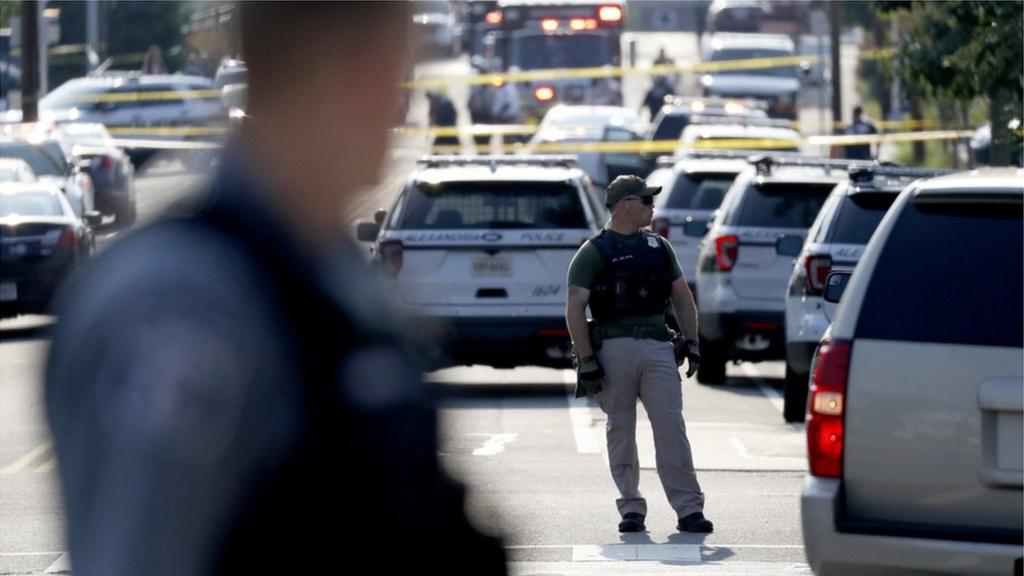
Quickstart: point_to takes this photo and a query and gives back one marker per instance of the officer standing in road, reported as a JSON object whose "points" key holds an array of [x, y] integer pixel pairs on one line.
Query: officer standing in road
{"points": [[227, 392], [627, 276], [655, 97], [860, 127]]}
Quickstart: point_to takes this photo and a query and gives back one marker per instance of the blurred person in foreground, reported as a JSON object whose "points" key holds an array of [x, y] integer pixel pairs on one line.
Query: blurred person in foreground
{"points": [[226, 392]]}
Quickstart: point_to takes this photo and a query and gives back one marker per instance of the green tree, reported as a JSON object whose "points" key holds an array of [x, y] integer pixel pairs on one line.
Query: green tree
{"points": [[966, 49]]}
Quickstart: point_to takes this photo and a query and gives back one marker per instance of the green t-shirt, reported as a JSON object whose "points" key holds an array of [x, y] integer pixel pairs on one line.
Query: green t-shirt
{"points": [[588, 263]]}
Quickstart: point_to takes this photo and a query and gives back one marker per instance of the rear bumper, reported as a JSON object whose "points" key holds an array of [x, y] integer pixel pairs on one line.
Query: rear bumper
{"points": [[831, 551], [500, 342], [752, 335], [35, 288]]}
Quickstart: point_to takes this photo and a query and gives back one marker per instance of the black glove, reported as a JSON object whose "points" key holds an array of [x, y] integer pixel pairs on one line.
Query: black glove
{"points": [[687, 350], [589, 376]]}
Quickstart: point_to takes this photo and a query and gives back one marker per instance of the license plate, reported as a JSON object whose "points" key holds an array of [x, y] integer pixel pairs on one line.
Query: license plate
{"points": [[8, 291], [492, 267]]}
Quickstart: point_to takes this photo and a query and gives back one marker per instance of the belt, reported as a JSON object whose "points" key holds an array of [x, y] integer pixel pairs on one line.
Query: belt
{"points": [[639, 332]]}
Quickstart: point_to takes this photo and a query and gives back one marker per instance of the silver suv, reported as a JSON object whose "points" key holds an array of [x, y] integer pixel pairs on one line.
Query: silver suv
{"points": [[914, 427], [834, 242], [477, 249], [741, 276]]}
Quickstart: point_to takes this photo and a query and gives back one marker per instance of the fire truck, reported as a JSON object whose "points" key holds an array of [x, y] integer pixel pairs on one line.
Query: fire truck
{"points": [[546, 35]]}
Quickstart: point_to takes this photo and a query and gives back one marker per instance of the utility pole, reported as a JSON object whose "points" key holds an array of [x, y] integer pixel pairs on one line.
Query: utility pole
{"points": [[837, 68], [30, 62], [92, 27]]}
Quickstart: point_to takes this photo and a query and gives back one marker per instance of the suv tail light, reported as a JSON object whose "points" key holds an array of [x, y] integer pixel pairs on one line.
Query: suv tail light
{"points": [[544, 93], [67, 238], [817, 267], [661, 227], [727, 249], [493, 17], [391, 257], [826, 408], [106, 163]]}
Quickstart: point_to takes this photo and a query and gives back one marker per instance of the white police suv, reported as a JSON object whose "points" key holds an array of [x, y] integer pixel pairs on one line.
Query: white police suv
{"points": [[741, 276], [915, 438], [478, 248], [693, 187], [834, 242]]}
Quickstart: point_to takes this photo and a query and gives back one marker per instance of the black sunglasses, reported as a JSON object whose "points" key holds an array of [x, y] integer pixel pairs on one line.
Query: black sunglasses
{"points": [[645, 200]]}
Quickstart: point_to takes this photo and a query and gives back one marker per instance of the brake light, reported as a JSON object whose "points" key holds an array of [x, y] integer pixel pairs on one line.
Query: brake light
{"points": [[577, 24], [549, 24], [106, 163], [727, 249], [609, 14], [391, 257], [493, 17], [544, 93], [817, 267], [661, 227], [826, 408]]}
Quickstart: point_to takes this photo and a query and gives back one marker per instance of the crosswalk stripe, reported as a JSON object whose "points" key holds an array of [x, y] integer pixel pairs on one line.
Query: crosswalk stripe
{"points": [[27, 459]]}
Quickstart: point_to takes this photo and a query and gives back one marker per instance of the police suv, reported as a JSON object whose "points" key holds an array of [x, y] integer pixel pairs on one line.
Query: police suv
{"points": [[741, 276], [834, 242], [693, 187], [477, 248]]}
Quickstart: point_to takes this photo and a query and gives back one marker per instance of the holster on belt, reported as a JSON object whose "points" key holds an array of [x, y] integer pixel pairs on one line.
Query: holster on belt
{"points": [[595, 335]]}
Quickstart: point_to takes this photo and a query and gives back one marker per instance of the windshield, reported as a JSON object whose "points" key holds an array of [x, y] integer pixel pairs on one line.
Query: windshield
{"points": [[858, 217], [699, 191], [42, 162], [493, 205], [788, 71], [542, 52], [782, 205], [30, 204]]}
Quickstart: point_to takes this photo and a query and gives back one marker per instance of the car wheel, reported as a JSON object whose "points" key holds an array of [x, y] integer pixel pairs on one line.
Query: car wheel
{"points": [[125, 215], [794, 395], [712, 363]]}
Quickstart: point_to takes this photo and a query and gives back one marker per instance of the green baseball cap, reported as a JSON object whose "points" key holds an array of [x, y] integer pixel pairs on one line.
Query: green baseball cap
{"points": [[626, 186]]}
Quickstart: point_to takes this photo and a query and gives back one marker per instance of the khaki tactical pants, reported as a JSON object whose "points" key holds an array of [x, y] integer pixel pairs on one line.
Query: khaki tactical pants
{"points": [[646, 369]]}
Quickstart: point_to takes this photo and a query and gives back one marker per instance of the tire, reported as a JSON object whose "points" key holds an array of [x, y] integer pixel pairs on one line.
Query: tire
{"points": [[794, 395], [712, 363]]}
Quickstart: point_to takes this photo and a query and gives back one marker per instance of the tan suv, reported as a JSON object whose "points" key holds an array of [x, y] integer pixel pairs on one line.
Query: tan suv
{"points": [[914, 422]]}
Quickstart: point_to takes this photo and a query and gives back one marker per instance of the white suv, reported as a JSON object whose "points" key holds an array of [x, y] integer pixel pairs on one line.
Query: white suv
{"points": [[914, 427], [478, 248], [741, 277], [692, 189], [834, 242]]}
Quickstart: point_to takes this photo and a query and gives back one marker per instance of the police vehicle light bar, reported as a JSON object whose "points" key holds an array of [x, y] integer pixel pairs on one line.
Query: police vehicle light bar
{"points": [[765, 163], [741, 121], [861, 174], [496, 160], [695, 102], [719, 154], [609, 13]]}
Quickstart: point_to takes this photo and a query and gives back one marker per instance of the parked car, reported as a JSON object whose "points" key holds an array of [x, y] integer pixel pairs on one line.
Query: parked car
{"points": [[16, 170], [42, 241], [779, 85], [49, 156], [748, 134], [834, 242], [476, 248], [109, 167], [741, 277], [914, 422]]}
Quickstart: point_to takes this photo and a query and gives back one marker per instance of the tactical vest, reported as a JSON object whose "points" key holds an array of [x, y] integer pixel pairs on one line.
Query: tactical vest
{"points": [[357, 471], [636, 279]]}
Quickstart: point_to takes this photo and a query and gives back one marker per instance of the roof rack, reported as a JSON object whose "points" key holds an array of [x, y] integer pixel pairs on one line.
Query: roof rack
{"points": [[766, 162], [697, 154], [437, 161], [717, 101], [741, 121], [864, 175]]}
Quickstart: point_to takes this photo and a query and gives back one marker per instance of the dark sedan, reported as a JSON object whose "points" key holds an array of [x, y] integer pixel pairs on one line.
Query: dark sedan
{"points": [[42, 242], [110, 168]]}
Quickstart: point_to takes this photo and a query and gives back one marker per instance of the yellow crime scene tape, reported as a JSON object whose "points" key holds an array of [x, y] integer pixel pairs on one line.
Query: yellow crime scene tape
{"points": [[618, 71], [147, 96], [184, 131]]}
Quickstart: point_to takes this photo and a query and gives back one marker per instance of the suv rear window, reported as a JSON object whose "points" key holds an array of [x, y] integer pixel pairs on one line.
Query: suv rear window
{"points": [[703, 191], [670, 126], [491, 205], [782, 204], [949, 273], [858, 217]]}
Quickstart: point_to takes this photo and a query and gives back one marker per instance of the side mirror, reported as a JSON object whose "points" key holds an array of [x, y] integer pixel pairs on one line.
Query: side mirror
{"points": [[380, 215], [93, 219], [85, 163], [367, 231], [696, 228], [789, 245], [835, 285]]}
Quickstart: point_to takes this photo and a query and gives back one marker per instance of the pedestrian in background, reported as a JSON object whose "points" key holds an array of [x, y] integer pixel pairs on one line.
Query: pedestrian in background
{"points": [[627, 276], [226, 390], [859, 127], [655, 97], [153, 61], [442, 115]]}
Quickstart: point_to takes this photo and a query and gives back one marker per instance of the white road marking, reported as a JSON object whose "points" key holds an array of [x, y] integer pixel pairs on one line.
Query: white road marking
{"points": [[62, 564], [27, 459], [588, 440], [738, 445], [771, 393], [47, 466], [495, 443], [637, 552]]}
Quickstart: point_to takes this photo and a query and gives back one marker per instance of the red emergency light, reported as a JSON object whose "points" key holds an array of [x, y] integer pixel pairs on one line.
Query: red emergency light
{"points": [[544, 93], [609, 14], [493, 17], [549, 24], [577, 24]]}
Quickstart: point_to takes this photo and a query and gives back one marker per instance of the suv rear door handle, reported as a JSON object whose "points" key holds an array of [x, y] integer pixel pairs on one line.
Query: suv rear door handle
{"points": [[1002, 432]]}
